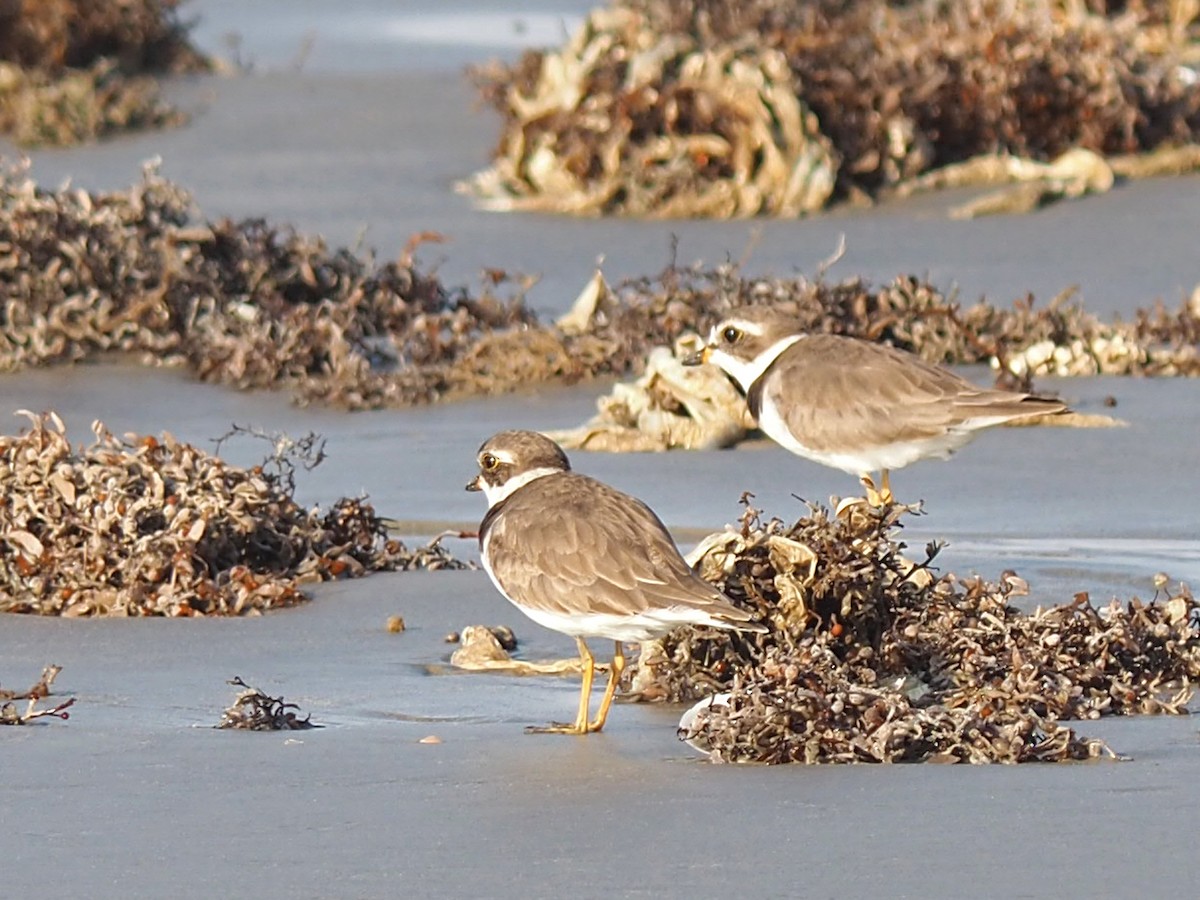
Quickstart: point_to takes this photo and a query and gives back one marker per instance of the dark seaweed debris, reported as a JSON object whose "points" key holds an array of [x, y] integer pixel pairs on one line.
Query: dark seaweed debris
{"points": [[74, 71], [874, 658], [147, 525], [255, 711], [241, 303], [1025, 339], [253, 305]]}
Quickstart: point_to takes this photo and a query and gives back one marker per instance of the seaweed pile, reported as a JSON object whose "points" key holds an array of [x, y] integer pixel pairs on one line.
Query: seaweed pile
{"points": [[253, 710], [146, 525], [672, 108], [669, 406], [254, 305], [240, 303], [872, 657], [73, 70]]}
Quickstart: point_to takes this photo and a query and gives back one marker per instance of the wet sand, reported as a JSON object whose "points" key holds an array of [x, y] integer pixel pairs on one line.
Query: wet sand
{"points": [[137, 796]]}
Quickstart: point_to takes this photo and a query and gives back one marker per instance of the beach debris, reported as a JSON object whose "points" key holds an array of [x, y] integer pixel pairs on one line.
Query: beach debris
{"points": [[872, 656], [672, 406], [479, 649], [506, 637], [1030, 184], [484, 648], [430, 739], [668, 406], [395, 624], [667, 108], [248, 304], [145, 525], [256, 306], [10, 713], [73, 71], [255, 711], [722, 135]]}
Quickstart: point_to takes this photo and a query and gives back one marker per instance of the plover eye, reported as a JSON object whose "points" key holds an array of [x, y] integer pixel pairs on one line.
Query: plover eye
{"points": [[488, 462], [731, 335]]}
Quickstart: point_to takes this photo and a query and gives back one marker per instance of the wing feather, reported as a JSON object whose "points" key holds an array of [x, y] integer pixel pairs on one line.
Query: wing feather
{"points": [[565, 540], [840, 392]]}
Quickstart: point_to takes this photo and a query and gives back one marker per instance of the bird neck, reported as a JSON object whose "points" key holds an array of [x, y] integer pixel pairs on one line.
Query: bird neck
{"points": [[498, 493]]}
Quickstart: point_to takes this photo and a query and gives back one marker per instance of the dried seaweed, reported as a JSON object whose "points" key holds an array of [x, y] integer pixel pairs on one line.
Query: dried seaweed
{"points": [[244, 303], [710, 108], [74, 71], [255, 711], [146, 525], [872, 657], [11, 715], [253, 305], [1060, 338]]}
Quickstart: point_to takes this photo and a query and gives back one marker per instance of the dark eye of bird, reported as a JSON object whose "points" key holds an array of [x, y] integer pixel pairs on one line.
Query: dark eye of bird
{"points": [[489, 462], [731, 335]]}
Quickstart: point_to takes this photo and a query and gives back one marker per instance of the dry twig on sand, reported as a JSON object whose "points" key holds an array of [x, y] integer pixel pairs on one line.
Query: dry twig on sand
{"points": [[11, 715]]}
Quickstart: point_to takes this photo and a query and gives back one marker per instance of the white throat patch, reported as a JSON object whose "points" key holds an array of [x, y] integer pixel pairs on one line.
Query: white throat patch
{"points": [[747, 371], [497, 492]]}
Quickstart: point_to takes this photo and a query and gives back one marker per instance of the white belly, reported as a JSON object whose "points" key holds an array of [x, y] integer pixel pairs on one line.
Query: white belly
{"points": [[862, 460]]}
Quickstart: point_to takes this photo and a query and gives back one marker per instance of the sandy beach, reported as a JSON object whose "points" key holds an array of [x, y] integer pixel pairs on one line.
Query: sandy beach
{"points": [[138, 796]]}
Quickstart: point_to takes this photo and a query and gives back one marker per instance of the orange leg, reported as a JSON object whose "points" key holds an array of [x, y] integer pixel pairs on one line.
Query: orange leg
{"points": [[580, 725], [610, 689]]}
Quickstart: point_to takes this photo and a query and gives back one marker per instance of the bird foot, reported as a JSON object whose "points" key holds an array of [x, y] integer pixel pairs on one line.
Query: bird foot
{"points": [[563, 728]]}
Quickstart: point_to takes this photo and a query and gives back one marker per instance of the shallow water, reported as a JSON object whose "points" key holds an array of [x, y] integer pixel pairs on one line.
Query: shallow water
{"points": [[136, 796]]}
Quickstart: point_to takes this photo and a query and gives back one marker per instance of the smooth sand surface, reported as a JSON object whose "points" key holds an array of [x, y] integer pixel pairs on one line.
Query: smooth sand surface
{"points": [[137, 796]]}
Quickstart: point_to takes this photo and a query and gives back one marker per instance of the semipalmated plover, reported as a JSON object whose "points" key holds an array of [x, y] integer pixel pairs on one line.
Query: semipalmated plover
{"points": [[852, 404], [580, 557]]}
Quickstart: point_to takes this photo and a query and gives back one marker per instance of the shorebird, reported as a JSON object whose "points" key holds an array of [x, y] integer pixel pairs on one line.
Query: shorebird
{"points": [[585, 559], [852, 404]]}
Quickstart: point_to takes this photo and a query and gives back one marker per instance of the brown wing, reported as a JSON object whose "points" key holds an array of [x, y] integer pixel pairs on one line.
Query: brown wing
{"points": [[842, 392], [564, 540]]}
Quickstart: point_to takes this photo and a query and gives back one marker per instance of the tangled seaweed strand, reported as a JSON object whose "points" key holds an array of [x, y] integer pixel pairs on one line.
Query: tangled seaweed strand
{"points": [[73, 71], [255, 711], [712, 108], [147, 526], [871, 658]]}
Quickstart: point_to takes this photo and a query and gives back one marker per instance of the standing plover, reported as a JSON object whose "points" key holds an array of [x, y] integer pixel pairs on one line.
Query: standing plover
{"points": [[851, 404], [580, 557]]}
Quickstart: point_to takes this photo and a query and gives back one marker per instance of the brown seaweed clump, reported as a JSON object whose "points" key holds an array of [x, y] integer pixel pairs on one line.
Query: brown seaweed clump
{"points": [[680, 108], [615, 332], [10, 714], [245, 303], [74, 71], [254, 305], [145, 526], [872, 657], [255, 711]]}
